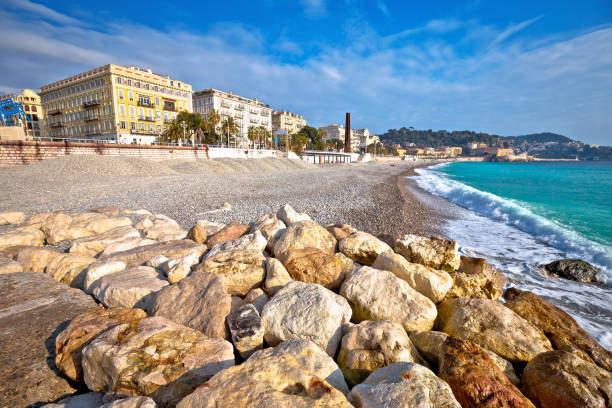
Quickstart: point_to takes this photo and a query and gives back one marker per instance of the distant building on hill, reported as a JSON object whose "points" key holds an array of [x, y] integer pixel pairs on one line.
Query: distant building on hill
{"points": [[283, 120], [245, 112], [114, 103], [30, 102]]}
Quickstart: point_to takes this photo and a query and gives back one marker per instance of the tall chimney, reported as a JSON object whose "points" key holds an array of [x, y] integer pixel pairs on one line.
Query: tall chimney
{"points": [[347, 133]]}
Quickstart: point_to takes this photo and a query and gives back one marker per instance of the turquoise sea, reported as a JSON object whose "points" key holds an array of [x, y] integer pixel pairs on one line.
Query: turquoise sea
{"points": [[521, 215]]}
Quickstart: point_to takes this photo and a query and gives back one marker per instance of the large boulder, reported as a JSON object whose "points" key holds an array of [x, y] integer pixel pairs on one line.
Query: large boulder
{"points": [[231, 231], [434, 252], [492, 326], [7, 265], [475, 379], [266, 380], [258, 298], [403, 384], [560, 328], [246, 329], [427, 281], [161, 228], [573, 269], [14, 217], [97, 270], [172, 250], [340, 231], [94, 245], [476, 278], [82, 330], [306, 311], [87, 400], [561, 379], [311, 265], [69, 269], [369, 345], [198, 234], [35, 259], [254, 241], [380, 295], [34, 308], [131, 402], [363, 247], [430, 345], [210, 227], [199, 301], [156, 357], [23, 237], [59, 227], [125, 245], [270, 227], [243, 269], [276, 276], [131, 288], [302, 235], [289, 216], [313, 358]]}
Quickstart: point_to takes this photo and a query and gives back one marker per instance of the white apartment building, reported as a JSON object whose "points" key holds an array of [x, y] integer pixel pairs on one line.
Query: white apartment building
{"points": [[246, 112], [360, 138]]}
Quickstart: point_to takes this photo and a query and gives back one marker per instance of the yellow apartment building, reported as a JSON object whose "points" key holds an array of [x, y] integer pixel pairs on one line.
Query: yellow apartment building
{"points": [[283, 120], [30, 102], [113, 103]]}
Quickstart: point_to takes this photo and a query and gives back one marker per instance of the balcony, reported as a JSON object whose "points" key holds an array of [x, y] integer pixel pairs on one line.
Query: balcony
{"points": [[167, 121], [90, 104], [143, 132], [57, 124], [226, 105], [254, 121], [55, 112], [238, 115], [146, 118], [171, 108], [143, 102], [239, 107], [91, 118]]}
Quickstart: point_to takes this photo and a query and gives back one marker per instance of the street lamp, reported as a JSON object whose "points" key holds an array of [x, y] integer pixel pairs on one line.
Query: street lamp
{"points": [[184, 126]]}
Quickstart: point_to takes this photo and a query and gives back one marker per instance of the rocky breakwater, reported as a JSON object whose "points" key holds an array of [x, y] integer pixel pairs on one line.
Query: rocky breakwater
{"points": [[124, 308]]}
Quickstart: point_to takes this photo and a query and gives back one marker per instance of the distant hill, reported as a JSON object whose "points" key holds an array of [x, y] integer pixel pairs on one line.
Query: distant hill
{"points": [[538, 138], [438, 138]]}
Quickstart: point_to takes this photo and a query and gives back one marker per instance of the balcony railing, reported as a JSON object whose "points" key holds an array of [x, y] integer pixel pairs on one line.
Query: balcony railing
{"points": [[91, 118], [167, 121], [148, 104], [239, 107], [90, 104], [146, 118], [55, 112], [226, 105], [239, 115], [57, 124], [143, 132], [171, 108]]}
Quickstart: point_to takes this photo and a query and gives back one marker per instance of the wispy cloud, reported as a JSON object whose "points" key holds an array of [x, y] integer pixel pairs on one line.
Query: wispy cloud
{"points": [[313, 8], [505, 83], [383, 8], [41, 11]]}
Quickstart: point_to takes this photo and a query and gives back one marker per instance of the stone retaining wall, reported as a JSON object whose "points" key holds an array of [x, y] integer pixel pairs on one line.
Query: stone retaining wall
{"points": [[14, 153]]}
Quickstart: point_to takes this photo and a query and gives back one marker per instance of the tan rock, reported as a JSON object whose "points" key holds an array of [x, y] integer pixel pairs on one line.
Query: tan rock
{"points": [[246, 329], [348, 263], [99, 269], [266, 380], [131, 288], [254, 241], [434, 252], [7, 265], [90, 399], [198, 301], [24, 237], [427, 281], [149, 358], [492, 326], [475, 379], [276, 276], [561, 379], [270, 227], [476, 278], [171, 250], [258, 298], [110, 210], [289, 216], [210, 227], [363, 247], [198, 234], [59, 227], [82, 330], [243, 269], [312, 265], [131, 402], [95, 244], [306, 311], [12, 218], [138, 212], [37, 219], [302, 235], [370, 345], [69, 269], [231, 231], [380, 295], [55, 227], [430, 345], [403, 384], [340, 231], [560, 328], [161, 228], [126, 245], [35, 259]]}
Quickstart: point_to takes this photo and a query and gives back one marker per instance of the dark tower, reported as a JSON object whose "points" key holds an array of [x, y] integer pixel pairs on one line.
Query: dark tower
{"points": [[347, 133]]}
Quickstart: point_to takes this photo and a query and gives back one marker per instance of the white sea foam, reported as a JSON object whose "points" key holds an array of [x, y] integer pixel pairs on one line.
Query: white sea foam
{"points": [[512, 213]]}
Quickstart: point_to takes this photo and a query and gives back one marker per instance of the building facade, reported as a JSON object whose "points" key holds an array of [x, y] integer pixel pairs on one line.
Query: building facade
{"points": [[245, 112], [30, 102], [360, 138], [283, 120], [114, 103]]}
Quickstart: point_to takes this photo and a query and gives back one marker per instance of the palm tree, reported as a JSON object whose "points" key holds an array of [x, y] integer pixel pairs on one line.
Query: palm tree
{"points": [[229, 127], [173, 132], [213, 121]]}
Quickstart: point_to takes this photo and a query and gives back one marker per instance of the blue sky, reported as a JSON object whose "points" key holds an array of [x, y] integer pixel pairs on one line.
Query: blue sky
{"points": [[507, 68]]}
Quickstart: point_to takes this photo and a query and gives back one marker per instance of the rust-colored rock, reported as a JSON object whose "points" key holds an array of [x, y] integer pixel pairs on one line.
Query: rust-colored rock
{"points": [[82, 330], [475, 379], [476, 278], [312, 265], [340, 231], [560, 328], [198, 234], [231, 231]]}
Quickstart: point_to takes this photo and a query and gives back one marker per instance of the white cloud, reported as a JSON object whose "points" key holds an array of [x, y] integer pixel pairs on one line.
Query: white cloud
{"points": [[313, 8], [42, 11], [418, 77], [383, 8]]}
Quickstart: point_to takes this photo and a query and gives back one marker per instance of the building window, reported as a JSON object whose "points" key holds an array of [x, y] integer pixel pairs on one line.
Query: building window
{"points": [[141, 126], [120, 93], [122, 108], [131, 95], [180, 105], [133, 125], [141, 112], [157, 100], [150, 113], [132, 111], [157, 114], [158, 128], [107, 94], [122, 124]]}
